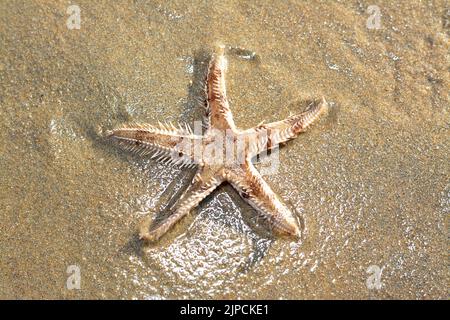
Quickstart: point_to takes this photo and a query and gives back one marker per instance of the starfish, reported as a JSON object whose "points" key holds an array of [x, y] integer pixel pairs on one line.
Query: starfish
{"points": [[211, 151]]}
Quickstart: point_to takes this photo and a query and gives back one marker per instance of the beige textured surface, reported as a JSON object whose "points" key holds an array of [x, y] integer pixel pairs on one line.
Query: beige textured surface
{"points": [[371, 181]]}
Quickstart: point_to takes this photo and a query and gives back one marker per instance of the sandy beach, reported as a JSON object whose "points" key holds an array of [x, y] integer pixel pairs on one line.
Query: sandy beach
{"points": [[370, 180]]}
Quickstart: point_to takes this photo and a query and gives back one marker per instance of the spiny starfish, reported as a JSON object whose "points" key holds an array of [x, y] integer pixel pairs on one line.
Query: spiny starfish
{"points": [[182, 146]]}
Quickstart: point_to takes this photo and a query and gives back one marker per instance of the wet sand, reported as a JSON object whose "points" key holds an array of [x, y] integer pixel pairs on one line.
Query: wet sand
{"points": [[371, 180]]}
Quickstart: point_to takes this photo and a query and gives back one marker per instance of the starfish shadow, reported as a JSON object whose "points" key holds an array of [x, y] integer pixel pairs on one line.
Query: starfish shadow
{"points": [[173, 192], [258, 230]]}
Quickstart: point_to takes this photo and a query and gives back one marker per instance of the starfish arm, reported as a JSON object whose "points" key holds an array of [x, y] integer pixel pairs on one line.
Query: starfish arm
{"points": [[164, 142], [218, 109], [253, 189], [204, 182], [268, 136]]}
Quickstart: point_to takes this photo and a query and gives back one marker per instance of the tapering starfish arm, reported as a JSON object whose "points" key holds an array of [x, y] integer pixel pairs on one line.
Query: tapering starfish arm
{"points": [[164, 142], [218, 109], [267, 136], [253, 189], [205, 181]]}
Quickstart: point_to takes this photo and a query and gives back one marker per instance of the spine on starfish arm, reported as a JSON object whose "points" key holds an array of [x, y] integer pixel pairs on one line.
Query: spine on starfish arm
{"points": [[303, 120], [289, 128], [195, 193], [259, 195], [281, 220], [218, 107], [216, 76], [166, 142], [268, 136]]}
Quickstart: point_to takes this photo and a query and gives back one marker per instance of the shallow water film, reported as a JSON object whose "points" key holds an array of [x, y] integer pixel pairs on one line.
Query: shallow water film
{"points": [[370, 181]]}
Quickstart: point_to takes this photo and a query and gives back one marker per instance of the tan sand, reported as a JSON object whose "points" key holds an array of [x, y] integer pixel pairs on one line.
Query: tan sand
{"points": [[371, 180]]}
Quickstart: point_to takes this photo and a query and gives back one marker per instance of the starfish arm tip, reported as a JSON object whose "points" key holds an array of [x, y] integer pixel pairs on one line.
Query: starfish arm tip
{"points": [[220, 48], [108, 133], [298, 234]]}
